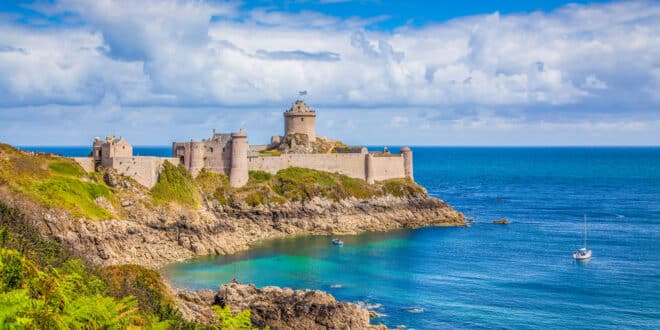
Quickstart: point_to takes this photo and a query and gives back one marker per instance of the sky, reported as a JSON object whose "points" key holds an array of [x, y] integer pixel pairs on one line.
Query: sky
{"points": [[378, 72]]}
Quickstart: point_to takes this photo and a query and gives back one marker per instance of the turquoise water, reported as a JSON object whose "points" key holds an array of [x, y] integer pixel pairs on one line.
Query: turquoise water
{"points": [[490, 276]]}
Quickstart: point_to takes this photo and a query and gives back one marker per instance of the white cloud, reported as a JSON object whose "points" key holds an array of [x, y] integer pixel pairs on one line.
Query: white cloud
{"points": [[206, 54], [591, 82]]}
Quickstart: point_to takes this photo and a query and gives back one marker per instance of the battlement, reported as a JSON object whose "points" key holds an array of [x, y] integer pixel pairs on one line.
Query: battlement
{"points": [[300, 119], [230, 154]]}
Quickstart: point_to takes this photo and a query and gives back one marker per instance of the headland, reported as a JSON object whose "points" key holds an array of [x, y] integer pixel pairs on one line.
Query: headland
{"points": [[217, 196]]}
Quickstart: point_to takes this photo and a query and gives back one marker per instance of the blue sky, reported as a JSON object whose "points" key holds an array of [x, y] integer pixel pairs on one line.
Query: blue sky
{"points": [[377, 72]]}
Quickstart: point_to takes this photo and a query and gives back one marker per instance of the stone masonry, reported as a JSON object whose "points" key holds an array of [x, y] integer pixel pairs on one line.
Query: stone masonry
{"points": [[230, 154]]}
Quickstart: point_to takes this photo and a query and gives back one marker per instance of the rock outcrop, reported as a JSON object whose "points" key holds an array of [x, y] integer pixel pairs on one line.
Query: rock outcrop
{"points": [[153, 237], [279, 308]]}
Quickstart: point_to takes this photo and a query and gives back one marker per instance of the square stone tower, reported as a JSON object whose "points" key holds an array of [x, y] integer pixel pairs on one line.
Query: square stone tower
{"points": [[300, 119]]}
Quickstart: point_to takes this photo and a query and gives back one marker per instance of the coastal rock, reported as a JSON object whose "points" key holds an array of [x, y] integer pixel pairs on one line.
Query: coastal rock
{"points": [[155, 236], [501, 221], [280, 308]]}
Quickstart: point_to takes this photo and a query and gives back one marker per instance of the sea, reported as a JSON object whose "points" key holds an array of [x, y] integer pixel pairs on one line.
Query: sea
{"points": [[485, 276]]}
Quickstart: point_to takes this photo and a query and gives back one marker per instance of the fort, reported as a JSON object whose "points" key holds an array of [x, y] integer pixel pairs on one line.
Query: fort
{"points": [[231, 154]]}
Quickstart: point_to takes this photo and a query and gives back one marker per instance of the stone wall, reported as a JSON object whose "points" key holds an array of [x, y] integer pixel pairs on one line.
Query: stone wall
{"points": [[348, 164], [142, 169], [300, 123], [352, 165], [87, 163], [383, 167]]}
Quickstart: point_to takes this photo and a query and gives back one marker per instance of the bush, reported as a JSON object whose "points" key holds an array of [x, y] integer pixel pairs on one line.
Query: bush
{"points": [[260, 177], [144, 284], [11, 270], [175, 185]]}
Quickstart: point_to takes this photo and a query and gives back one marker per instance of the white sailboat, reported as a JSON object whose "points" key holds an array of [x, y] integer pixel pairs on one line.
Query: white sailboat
{"points": [[583, 253]]}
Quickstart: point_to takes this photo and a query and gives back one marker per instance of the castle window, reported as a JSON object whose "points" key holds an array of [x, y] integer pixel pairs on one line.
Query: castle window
{"points": [[223, 149], [211, 149], [302, 119]]}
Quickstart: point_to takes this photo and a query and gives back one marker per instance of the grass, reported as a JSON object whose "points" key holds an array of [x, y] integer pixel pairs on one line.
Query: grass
{"points": [[74, 195], [270, 152], [55, 182], [175, 185], [66, 168], [298, 184], [61, 183]]}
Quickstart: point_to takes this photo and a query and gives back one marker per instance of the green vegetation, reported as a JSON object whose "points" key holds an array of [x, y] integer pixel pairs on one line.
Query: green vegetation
{"points": [[66, 168], [42, 288], [260, 177], [55, 182], [74, 195], [299, 184], [240, 321], [270, 152], [176, 185], [67, 297]]}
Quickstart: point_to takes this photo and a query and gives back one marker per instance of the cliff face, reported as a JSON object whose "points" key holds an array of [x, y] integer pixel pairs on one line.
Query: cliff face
{"points": [[277, 308], [155, 237], [107, 219]]}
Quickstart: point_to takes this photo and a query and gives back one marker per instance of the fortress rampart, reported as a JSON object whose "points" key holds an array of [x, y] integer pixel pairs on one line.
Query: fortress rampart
{"points": [[366, 166], [142, 169], [232, 155]]}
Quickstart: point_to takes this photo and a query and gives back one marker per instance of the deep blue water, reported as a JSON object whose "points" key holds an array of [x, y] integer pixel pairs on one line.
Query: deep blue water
{"points": [[490, 276], [84, 151]]}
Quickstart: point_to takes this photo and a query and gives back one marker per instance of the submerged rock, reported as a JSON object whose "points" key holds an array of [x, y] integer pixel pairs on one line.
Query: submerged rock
{"points": [[501, 222]]}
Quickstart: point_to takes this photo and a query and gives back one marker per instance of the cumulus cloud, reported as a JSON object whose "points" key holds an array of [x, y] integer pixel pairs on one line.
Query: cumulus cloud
{"points": [[534, 67], [591, 82]]}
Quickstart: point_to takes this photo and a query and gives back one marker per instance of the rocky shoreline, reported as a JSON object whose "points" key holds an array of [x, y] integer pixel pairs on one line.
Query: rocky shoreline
{"points": [[276, 307], [154, 237]]}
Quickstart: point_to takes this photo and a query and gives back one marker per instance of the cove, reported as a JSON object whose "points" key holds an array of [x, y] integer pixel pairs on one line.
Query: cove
{"points": [[519, 275]]}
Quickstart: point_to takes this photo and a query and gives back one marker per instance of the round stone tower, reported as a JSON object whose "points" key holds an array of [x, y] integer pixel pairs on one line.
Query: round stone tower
{"points": [[407, 162], [238, 174], [196, 160], [300, 119]]}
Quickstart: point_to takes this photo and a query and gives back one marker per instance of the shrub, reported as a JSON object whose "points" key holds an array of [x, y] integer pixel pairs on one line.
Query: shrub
{"points": [[209, 181], [11, 270], [144, 284], [260, 177], [175, 185]]}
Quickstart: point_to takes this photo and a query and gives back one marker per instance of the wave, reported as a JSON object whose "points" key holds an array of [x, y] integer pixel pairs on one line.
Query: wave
{"points": [[336, 286], [415, 310], [368, 306]]}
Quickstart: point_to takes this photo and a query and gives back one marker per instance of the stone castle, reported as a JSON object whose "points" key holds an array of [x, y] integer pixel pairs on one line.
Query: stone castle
{"points": [[231, 154]]}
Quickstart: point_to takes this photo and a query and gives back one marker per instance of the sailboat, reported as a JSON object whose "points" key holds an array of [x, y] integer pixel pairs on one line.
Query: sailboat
{"points": [[583, 253]]}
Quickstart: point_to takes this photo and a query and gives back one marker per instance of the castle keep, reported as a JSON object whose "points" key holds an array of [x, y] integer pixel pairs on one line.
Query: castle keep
{"points": [[230, 154]]}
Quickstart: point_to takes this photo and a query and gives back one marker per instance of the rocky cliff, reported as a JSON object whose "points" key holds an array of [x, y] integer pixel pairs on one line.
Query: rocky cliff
{"points": [[278, 308], [155, 237], [107, 219]]}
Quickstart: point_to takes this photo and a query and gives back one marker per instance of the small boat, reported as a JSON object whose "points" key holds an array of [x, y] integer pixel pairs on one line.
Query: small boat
{"points": [[583, 253], [337, 241]]}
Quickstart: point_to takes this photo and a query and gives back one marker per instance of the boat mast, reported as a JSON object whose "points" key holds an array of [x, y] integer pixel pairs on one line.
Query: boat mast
{"points": [[585, 231]]}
